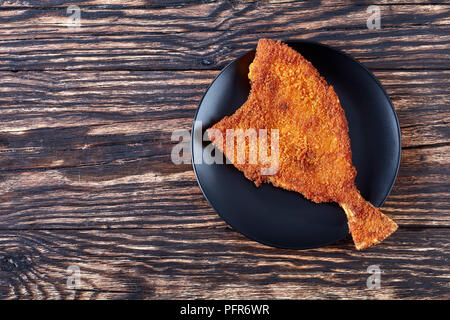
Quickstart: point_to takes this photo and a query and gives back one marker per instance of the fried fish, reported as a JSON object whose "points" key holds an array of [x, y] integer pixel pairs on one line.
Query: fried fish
{"points": [[314, 156]]}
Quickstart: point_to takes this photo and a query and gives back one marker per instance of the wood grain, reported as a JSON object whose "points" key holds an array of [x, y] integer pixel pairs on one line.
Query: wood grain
{"points": [[119, 4], [86, 179], [97, 139], [209, 35], [214, 261], [147, 193], [167, 100]]}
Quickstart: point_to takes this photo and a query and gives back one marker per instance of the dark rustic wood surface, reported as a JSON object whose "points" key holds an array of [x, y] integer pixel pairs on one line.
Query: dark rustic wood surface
{"points": [[85, 173]]}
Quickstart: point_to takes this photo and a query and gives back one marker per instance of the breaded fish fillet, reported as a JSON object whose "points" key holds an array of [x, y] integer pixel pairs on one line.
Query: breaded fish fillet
{"points": [[288, 94]]}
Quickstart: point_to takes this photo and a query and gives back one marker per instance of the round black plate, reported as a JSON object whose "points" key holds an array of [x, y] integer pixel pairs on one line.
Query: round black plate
{"points": [[281, 218]]}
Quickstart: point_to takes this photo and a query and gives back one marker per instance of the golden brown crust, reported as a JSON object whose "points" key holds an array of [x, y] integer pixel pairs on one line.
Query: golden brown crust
{"points": [[288, 94]]}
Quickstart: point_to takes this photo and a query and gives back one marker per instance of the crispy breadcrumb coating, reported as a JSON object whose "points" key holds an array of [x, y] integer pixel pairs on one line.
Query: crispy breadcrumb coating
{"points": [[288, 94]]}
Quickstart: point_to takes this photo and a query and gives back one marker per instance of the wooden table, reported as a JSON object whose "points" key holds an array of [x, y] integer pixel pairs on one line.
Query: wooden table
{"points": [[86, 179]]}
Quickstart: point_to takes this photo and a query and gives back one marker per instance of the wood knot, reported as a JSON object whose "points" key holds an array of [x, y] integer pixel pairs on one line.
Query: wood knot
{"points": [[14, 263]]}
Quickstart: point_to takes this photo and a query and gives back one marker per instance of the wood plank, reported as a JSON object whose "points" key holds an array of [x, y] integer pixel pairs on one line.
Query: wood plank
{"points": [[216, 16], [119, 4], [52, 105], [150, 192], [216, 262], [209, 35], [77, 147]]}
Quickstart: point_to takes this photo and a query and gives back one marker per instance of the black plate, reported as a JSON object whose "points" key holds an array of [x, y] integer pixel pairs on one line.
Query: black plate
{"points": [[281, 218]]}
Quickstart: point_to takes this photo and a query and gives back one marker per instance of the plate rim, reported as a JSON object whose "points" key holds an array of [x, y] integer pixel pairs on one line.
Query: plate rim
{"points": [[338, 51]]}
